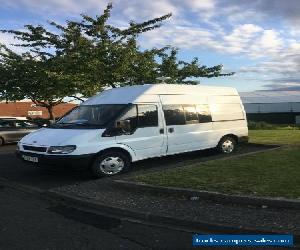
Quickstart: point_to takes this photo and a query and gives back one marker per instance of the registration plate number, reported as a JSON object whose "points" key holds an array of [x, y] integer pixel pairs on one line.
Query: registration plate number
{"points": [[30, 158]]}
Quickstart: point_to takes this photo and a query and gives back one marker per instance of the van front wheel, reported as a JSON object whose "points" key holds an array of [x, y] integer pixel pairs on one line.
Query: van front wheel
{"points": [[110, 163], [227, 145]]}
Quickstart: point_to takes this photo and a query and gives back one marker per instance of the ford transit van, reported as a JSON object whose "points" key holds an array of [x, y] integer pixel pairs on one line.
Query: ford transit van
{"points": [[119, 126]]}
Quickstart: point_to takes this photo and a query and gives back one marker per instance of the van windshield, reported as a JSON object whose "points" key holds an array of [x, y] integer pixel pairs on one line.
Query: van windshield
{"points": [[97, 116]]}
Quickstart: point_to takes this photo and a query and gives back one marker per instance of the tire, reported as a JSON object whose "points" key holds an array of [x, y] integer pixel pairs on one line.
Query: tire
{"points": [[110, 163], [1, 141], [227, 145]]}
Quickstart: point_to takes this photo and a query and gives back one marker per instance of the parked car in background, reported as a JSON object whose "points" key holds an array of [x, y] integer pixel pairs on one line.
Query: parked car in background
{"points": [[12, 129]]}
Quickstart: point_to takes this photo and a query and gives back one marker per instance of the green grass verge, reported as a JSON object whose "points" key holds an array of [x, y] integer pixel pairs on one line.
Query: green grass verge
{"points": [[289, 137], [275, 173], [265, 125]]}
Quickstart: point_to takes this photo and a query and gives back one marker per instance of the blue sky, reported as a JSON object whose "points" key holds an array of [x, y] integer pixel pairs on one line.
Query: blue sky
{"points": [[257, 39]]}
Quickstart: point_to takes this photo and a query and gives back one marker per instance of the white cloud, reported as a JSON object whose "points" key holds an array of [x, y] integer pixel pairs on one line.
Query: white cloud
{"points": [[204, 9], [236, 15], [240, 37], [286, 62], [58, 6], [201, 5], [133, 9], [179, 36], [247, 39], [270, 40], [140, 10], [8, 40], [286, 10], [281, 69]]}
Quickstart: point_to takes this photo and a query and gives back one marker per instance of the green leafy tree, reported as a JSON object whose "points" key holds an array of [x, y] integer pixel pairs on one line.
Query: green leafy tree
{"points": [[95, 54], [84, 57], [178, 71], [24, 76]]}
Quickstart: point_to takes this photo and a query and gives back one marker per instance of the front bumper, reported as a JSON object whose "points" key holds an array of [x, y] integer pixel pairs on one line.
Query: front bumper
{"points": [[74, 161]]}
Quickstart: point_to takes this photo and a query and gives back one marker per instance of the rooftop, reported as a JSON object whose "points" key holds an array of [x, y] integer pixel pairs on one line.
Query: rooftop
{"points": [[270, 96]]}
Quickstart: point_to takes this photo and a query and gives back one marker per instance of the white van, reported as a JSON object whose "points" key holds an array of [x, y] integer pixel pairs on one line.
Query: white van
{"points": [[123, 125]]}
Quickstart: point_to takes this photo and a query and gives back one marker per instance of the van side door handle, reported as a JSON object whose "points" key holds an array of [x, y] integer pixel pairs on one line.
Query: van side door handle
{"points": [[170, 130], [161, 131]]}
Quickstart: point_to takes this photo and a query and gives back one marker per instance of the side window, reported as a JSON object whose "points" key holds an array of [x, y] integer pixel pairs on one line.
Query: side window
{"points": [[191, 115], [30, 124], [6, 124], [20, 124], [186, 114], [203, 113], [147, 116], [131, 116], [174, 114]]}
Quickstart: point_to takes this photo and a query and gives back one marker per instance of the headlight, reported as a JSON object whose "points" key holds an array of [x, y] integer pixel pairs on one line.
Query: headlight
{"points": [[61, 149]]}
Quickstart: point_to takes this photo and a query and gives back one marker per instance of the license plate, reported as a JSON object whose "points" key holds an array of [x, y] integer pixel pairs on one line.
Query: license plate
{"points": [[30, 158]]}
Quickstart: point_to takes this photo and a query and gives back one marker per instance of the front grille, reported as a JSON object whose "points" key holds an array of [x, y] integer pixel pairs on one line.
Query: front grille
{"points": [[36, 149]]}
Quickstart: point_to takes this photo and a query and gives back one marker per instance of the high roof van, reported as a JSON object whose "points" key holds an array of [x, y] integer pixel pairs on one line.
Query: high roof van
{"points": [[123, 125]]}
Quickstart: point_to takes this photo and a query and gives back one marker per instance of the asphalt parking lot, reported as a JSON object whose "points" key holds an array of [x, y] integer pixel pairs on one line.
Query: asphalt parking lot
{"points": [[43, 225], [30, 222]]}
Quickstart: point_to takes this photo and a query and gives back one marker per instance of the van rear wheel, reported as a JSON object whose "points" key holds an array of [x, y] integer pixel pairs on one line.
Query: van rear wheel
{"points": [[227, 145], [110, 163], [1, 141]]}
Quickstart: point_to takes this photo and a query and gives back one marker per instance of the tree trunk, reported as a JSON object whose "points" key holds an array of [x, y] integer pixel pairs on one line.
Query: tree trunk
{"points": [[49, 105], [50, 111]]}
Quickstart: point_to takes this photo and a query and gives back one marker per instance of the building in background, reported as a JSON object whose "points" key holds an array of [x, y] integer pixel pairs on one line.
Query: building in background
{"points": [[277, 107], [29, 109]]}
